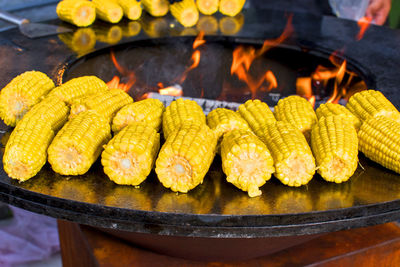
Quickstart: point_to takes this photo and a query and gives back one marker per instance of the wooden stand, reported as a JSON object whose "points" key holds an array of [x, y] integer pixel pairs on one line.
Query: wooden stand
{"points": [[370, 246]]}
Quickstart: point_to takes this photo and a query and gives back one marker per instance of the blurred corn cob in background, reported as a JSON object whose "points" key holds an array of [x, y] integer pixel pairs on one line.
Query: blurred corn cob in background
{"points": [[109, 35], [105, 103], [81, 13], [297, 111], [186, 156], [293, 160], [180, 112], [82, 41], [257, 114], [132, 9], [79, 143], [79, 87], [129, 157], [148, 111], [231, 7], [371, 103], [207, 24], [26, 149], [231, 25], [108, 10], [246, 161], [331, 109], [207, 7], [185, 12], [335, 146], [131, 28], [21, 93], [156, 8]]}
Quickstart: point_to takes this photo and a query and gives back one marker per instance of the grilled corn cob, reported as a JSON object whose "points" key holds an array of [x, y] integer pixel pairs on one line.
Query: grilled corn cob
{"points": [[331, 109], [378, 140], [109, 35], [257, 114], [293, 160], [231, 25], [108, 10], [129, 157], [132, 8], [186, 156], [222, 120], [105, 103], [82, 41], [231, 7], [246, 161], [370, 103], [79, 87], [156, 8], [335, 146], [81, 13], [78, 144], [180, 112], [24, 91], [297, 111], [207, 7], [148, 111], [185, 12]]}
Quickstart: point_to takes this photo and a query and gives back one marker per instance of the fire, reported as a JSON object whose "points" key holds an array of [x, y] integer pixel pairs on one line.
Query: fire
{"points": [[175, 90], [199, 40], [364, 24], [304, 89], [116, 84]]}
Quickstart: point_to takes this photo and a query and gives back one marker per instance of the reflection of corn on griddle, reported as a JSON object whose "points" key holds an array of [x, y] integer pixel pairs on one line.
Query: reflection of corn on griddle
{"points": [[231, 25], [82, 41]]}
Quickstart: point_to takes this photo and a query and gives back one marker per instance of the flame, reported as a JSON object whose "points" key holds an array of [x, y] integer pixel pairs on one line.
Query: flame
{"points": [[364, 24], [115, 82], [304, 89], [199, 40], [171, 90], [196, 56]]}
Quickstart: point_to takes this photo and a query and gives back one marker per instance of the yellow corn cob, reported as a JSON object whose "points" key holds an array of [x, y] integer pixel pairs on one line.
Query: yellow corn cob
{"points": [[129, 157], [78, 87], [293, 159], [297, 111], [82, 41], [78, 144], [156, 8], [108, 10], [105, 103], [231, 25], [207, 24], [24, 91], [222, 120], [180, 112], [81, 13], [148, 111], [370, 103], [131, 28], [231, 7], [109, 35], [335, 146], [246, 161], [257, 114], [185, 157], [207, 7], [331, 109], [185, 12], [132, 8], [378, 140]]}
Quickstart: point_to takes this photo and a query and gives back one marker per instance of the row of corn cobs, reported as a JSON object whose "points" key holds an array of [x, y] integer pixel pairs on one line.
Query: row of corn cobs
{"points": [[253, 142], [83, 13]]}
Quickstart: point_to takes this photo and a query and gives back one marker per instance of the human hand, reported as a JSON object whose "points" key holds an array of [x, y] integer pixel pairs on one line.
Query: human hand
{"points": [[378, 10]]}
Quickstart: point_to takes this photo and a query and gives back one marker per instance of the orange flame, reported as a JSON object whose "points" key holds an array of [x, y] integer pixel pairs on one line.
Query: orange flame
{"points": [[171, 90], [364, 24], [199, 40], [196, 56], [304, 89], [115, 83]]}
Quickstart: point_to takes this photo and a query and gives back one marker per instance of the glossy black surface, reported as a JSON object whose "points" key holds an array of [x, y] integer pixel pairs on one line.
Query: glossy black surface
{"points": [[216, 208]]}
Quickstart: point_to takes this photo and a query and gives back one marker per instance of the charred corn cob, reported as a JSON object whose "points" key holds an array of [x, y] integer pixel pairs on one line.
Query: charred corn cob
{"points": [[207, 24], [257, 114], [105, 103], [231, 7], [148, 111], [293, 160], [297, 111], [378, 140], [156, 8], [185, 12], [186, 156], [81, 13], [78, 144], [207, 7], [109, 35], [108, 10], [78, 87], [82, 41], [24, 91], [231, 25], [371, 103], [222, 120], [331, 109], [246, 161], [180, 112], [335, 146], [129, 157]]}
